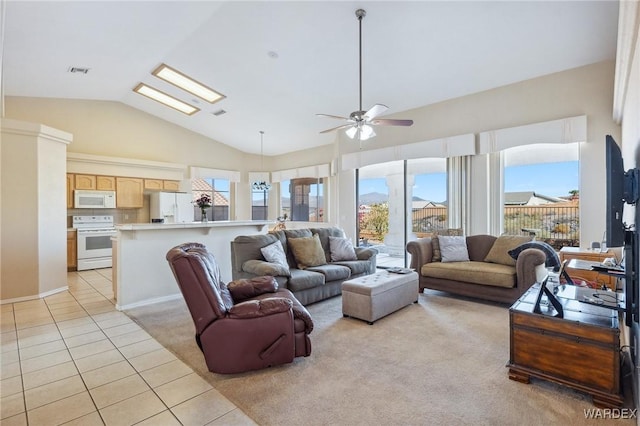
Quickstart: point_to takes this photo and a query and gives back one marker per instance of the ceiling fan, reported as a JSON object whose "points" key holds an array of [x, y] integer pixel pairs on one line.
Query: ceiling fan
{"points": [[359, 123]]}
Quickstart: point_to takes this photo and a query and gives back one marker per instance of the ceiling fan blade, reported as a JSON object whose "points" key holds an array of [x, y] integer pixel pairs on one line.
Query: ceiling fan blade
{"points": [[391, 122], [337, 128], [333, 116], [375, 111]]}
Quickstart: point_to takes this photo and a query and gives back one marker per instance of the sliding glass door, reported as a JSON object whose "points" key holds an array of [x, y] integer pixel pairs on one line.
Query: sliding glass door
{"points": [[399, 201]]}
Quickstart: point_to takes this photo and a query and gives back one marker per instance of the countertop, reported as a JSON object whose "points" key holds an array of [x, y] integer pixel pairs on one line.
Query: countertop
{"points": [[190, 225]]}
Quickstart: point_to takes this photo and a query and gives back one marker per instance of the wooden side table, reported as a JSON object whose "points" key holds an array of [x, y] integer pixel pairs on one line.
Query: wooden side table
{"points": [[586, 275]]}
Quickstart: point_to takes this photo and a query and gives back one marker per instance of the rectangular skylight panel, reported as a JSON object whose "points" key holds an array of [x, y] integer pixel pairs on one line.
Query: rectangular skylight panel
{"points": [[165, 99], [186, 83]]}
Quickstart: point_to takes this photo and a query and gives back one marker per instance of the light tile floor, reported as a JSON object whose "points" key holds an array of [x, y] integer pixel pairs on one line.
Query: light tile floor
{"points": [[72, 359]]}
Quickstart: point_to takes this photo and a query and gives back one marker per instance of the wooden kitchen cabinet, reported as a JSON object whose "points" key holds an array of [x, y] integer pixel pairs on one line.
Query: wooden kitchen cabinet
{"points": [[72, 250], [587, 275], [129, 192], [161, 185], [171, 185], [70, 188], [85, 182], [106, 183], [153, 184]]}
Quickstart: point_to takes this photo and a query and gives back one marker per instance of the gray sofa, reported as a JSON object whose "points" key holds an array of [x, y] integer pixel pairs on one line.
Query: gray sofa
{"points": [[309, 285], [478, 278]]}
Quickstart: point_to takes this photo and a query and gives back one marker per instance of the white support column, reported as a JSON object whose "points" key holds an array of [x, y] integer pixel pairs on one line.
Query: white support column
{"points": [[33, 210], [394, 240]]}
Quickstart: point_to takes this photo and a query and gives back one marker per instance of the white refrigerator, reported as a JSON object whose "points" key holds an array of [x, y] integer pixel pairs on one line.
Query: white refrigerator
{"points": [[171, 207]]}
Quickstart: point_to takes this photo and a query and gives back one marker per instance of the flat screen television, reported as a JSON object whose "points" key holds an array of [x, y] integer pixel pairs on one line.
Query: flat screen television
{"points": [[622, 187], [615, 178]]}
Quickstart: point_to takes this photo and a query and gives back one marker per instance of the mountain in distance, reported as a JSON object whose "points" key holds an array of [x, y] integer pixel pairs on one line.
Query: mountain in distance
{"points": [[313, 202], [365, 199], [378, 198], [373, 198]]}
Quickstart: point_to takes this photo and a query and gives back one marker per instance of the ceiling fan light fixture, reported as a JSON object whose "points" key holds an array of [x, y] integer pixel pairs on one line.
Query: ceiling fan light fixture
{"points": [[163, 98], [186, 83], [359, 123], [366, 132]]}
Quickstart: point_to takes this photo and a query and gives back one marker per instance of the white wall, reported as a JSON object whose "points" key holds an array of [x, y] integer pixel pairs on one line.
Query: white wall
{"points": [[582, 91], [113, 129], [33, 257]]}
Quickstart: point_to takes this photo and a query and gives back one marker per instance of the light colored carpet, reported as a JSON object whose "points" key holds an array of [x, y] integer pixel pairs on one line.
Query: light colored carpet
{"points": [[441, 361]]}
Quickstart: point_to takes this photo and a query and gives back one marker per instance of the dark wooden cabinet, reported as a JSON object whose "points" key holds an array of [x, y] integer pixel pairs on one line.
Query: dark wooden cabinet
{"points": [[72, 247], [580, 350]]}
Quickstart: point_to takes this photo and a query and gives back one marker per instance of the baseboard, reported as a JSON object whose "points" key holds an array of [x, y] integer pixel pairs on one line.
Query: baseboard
{"points": [[35, 296], [149, 302]]}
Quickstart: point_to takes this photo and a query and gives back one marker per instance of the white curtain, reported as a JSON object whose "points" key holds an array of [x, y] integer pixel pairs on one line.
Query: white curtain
{"points": [[318, 171], [206, 173], [453, 146], [566, 130]]}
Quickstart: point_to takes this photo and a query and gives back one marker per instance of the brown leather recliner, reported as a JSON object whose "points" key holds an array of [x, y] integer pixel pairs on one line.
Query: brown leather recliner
{"points": [[246, 325]]}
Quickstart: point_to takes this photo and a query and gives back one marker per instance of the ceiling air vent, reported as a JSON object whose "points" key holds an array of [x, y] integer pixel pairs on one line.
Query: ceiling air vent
{"points": [[219, 112], [78, 70]]}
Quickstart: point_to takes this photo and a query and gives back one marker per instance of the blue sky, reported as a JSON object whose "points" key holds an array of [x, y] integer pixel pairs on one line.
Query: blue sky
{"points": [[553, 179]]}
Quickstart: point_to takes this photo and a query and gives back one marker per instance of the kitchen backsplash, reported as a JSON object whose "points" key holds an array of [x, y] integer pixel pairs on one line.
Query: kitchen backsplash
{"points": [[140, 215]]}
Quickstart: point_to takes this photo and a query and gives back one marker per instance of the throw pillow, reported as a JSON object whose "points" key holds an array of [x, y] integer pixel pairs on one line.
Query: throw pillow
{"points": [[453, 249], [499, 252], [435, 242], [341, 249], [553, 260], [260, 268], [307, 251], [274, 253]]}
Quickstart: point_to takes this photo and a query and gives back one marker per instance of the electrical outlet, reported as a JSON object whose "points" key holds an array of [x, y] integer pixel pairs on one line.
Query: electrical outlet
{"points": [[126, 217]]}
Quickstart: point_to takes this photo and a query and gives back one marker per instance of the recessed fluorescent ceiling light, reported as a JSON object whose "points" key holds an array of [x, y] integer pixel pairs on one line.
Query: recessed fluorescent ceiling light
{"points": [[165, 99], [176, 78]]}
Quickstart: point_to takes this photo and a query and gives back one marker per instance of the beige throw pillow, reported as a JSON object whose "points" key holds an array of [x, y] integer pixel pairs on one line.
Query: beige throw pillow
{"points": [[499, 252], [307, 251], [260, 268]]}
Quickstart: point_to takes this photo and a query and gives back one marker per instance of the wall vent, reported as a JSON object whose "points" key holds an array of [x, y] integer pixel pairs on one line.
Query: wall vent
{"points": [[219, 112], [78, 70]]}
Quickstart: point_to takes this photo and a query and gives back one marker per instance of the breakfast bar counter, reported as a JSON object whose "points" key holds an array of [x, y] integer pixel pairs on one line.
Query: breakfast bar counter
{"points": [[141, 274]]}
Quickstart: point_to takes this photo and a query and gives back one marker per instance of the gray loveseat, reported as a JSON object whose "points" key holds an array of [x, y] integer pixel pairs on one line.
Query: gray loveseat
{"points": [[311, 284]]}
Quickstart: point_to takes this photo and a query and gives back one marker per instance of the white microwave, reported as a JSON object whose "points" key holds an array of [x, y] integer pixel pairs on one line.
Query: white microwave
{"points": [[84, 199]]}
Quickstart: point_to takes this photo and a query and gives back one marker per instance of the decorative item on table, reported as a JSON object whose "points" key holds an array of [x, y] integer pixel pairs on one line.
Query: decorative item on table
{"points": [[281, 225], [204, 202]]}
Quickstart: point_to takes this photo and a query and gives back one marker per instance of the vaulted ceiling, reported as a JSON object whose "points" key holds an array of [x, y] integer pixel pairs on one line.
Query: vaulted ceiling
{"points": [[281, 62]]}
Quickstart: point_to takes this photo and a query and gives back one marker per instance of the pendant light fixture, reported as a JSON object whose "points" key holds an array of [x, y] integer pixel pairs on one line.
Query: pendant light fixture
{"points": [[261, 185]]}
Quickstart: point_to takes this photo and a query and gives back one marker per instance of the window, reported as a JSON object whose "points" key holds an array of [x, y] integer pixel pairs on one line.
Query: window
{"points": [[218, 191], [373, 207], [541, 193], [386, 216], [303, 199], [259, 204], [429, 195]]}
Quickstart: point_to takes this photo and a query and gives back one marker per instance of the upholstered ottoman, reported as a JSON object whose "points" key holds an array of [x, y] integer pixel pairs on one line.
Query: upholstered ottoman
{"points": [[373, 296]]}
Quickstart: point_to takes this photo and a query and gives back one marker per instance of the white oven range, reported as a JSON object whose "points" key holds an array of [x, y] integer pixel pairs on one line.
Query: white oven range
{"points": [[94, 241]]}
